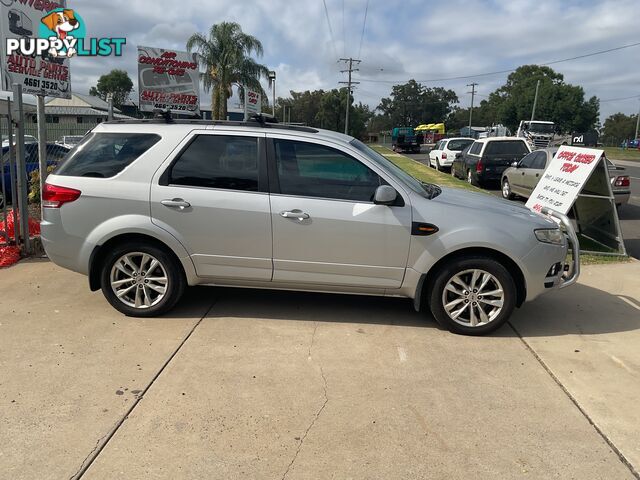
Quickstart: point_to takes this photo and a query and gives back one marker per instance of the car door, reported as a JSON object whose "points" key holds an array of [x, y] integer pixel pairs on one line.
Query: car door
{"points": [[326, 228], [535, 171], [213, 197], [433, 154], [519, 176]]}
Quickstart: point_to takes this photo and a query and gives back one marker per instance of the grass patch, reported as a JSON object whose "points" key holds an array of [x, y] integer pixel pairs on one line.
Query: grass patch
{"points": [[590, 259], [423, 172], [616, 153]]}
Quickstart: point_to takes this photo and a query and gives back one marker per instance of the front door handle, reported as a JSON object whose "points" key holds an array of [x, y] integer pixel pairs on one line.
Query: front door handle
{"points": [[178, 203], [297, 214]]}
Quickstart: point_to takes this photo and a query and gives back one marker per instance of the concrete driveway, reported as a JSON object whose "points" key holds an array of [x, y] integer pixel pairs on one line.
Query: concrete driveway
{"points": [[257, 384]]}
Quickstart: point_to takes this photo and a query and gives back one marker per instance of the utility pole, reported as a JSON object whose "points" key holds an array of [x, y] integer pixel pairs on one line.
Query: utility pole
{"points": [[637, 124], [535, 101], [473, 94], [272, 84], [350, 70]]}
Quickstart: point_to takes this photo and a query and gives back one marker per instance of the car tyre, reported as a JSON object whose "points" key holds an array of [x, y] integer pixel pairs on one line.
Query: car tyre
{"points": [[507, 194], [154, 295], [471, 180], [486, 276]]}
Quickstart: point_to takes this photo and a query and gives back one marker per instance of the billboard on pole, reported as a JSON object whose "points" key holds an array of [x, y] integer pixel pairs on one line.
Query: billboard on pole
{"points": [[252, 103], [168, 79], [38, 74]]}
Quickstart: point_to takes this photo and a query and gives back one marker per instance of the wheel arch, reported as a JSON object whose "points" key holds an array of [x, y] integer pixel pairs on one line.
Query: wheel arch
{"points": [[99, 253], [427, 279]]}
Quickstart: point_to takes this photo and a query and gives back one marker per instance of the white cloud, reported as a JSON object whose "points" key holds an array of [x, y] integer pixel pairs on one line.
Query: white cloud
{"points": [[409, 39]]}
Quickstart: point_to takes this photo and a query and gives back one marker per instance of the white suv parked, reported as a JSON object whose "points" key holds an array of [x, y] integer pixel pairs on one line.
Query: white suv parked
{"points": [[146, 208], [444, 152]]}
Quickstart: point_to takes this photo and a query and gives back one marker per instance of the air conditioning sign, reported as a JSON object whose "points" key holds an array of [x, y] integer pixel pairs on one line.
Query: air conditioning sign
{"points": [[168, 79]]}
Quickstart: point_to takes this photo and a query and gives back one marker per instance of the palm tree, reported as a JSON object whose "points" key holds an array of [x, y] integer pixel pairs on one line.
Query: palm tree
{"points": [[225, 58]]}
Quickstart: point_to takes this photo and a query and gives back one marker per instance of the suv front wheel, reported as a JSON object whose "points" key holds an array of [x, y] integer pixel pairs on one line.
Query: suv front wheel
{"points": [[472, 295], [141, 280]]}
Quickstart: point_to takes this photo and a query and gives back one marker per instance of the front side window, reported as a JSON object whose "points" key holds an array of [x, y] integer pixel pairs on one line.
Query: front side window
{"points": [[475, 148], [218, 161], [103, 155], [528, 161], [540, 161], [310, 170]]}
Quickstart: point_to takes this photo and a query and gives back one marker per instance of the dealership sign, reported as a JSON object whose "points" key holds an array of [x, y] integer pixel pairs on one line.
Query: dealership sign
{"points": [[564, 178], [43, 74], [168, 79]]}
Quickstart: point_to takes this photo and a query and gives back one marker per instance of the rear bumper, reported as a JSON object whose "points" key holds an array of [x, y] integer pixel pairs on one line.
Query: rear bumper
{"points": [[622, 198]]}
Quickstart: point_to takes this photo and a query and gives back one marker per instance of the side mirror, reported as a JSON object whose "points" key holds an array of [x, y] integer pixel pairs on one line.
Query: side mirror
{"points": [[515, 164], [385, 195]]}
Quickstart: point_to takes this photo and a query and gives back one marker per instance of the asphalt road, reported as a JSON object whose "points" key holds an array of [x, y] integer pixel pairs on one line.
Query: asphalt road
{"points": [[629, 214]]}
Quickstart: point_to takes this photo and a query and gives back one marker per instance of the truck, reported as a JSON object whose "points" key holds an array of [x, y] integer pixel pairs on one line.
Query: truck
{"points": [[404, 139], [537, 133]]}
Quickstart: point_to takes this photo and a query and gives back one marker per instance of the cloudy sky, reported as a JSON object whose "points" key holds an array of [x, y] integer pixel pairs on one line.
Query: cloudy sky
{"points": [[405, 39]]}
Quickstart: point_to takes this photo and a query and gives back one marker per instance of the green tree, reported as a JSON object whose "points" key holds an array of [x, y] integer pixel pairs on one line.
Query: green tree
{"points": [[559, 102], [618, 128], [412, 104], [225, 55], [116, 82]]}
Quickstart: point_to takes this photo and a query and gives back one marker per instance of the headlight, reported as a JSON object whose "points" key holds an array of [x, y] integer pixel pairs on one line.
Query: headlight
{"points": [[550, 235]]}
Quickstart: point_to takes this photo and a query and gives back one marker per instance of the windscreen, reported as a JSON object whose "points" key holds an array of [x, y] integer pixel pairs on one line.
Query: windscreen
{"points": [[458, 145]]}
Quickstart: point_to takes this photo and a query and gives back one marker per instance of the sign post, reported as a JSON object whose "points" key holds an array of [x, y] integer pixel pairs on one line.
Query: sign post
{"points": [[577, 180], [252, 103], [168, 80], [42, 144], [21, 170]]}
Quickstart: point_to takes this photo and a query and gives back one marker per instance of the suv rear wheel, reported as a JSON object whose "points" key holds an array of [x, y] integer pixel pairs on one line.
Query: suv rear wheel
{"points": [[472, 295], [141, 280]]}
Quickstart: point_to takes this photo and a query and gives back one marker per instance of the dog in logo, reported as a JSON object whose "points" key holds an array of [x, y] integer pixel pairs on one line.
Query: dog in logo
{"points": [[63, 23]]}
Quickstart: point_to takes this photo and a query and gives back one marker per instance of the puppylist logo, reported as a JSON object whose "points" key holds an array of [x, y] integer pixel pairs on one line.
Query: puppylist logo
{"points": [[62, 34]]}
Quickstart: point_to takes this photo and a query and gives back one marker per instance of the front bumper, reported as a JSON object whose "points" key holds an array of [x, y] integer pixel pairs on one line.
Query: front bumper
{"points": [[570, 271]]}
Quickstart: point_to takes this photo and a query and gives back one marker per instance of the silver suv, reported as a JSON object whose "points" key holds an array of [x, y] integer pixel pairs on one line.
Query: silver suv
{"points": [[146, 208]]}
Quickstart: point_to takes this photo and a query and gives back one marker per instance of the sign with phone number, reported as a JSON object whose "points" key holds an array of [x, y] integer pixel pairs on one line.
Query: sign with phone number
{"points": [[564, 178]]}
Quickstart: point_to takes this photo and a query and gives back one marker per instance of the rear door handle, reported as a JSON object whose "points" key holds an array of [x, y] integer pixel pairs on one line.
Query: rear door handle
{"points": [[297, 214], [178, 203]]}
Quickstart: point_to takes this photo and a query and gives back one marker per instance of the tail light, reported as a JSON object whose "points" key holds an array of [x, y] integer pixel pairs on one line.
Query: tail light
{"points": [[444, 156], [479, 166], [622, 181], [54, 196]]}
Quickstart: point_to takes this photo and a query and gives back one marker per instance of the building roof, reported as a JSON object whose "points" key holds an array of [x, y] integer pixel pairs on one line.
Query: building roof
{"points": [[80, 111], [80, 100]]}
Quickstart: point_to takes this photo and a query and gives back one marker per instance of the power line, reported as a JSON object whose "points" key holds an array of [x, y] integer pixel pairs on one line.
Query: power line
{"points": [[497, 72], [364, 22], [333, 41], [621, 98]]}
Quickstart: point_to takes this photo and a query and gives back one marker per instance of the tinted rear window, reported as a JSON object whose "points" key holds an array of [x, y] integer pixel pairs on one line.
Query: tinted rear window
{"points": [[458, 145], [103, 155], [506, 147]]}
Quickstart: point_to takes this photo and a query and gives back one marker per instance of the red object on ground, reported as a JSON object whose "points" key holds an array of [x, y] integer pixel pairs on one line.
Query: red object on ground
{"points": [[11, 254]]}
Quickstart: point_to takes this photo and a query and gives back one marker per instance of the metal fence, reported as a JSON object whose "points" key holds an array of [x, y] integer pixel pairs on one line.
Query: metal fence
{"points": [[20, 186]]}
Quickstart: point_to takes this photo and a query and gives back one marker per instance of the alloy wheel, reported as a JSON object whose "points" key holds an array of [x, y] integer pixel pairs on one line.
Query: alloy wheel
{"points": [[473, 298], [469, 177], [506, 188], [139, 280]]}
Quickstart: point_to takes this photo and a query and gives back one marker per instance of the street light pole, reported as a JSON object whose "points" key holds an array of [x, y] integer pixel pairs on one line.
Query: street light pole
{"points": [[272, 83], [473, 94], [535, 101]]}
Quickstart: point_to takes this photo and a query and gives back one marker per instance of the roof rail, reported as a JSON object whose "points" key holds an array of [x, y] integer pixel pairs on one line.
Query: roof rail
{"points": [[265, 123]]}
